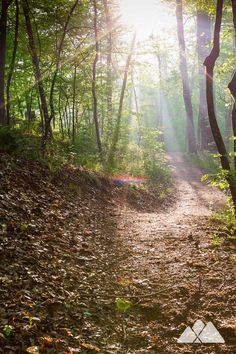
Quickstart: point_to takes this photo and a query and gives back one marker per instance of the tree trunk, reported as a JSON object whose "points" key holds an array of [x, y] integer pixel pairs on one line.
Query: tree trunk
{"points": [[203, 40], [120, 110], [37, 72], [232, 87], [161, 123], [3, 47], [137, 111], [210, 64], [228, 126], [13, 60], [109, 68], [191, 141], [58, 57], [94, 89], [60, 113], [74, 104]]}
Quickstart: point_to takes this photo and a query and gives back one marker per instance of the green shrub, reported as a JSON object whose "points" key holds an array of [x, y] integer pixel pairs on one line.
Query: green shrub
{"points": [[9, 139], [205, 161]]}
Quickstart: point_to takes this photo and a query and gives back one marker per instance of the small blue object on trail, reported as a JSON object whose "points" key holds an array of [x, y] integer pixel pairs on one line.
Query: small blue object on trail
{"points": [[121, 180]]}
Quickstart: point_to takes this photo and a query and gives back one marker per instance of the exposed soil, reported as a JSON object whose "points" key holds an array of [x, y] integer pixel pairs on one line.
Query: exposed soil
{"points": [[70, 245]]}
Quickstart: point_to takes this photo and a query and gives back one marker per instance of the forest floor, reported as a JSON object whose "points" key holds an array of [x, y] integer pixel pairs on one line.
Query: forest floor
{"points": [[72, 244]]}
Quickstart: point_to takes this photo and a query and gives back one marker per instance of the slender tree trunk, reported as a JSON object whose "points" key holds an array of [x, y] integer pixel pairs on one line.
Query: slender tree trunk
{"points": [[13, 60], [3, 47], [74, 104], [210, 64], [60, 113], [161, 123], [232, 87], [94, 81], [58, 57], [109, 68], [120, 110], [137, 111], [203, 40], [37, 72], [160, 90], [228, 126], [191, 141]]}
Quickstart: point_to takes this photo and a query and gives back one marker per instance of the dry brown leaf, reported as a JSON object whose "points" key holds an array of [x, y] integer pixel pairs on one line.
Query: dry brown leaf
{"points": [[90, 346], [33, 350]]}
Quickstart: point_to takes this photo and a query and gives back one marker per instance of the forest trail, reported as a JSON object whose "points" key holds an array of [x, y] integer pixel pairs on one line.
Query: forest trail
{"points": [[170, 256], [70, 247]]}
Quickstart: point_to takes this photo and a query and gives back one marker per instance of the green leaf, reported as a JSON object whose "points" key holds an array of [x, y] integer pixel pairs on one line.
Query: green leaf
{"points": [[204, 178], [7, 330], [123, 304]]}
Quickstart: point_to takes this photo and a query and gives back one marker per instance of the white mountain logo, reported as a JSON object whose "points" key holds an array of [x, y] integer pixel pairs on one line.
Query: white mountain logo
{"points": [[201, 333]]}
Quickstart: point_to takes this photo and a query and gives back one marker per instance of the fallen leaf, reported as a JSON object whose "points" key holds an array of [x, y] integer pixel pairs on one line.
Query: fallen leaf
{"points": [[46, 339], [33, 350], [90, 346]]}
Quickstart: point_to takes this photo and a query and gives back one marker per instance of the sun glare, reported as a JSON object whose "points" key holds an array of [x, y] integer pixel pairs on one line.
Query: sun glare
{"points": [[147, 16]]}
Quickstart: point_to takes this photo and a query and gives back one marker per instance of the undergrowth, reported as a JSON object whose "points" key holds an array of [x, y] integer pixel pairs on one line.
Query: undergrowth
{"points": [[205, 161], [227, 221], [145, 158]]}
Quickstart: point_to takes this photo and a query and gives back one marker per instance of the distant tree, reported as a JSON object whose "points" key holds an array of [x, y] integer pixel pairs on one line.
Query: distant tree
{"points": [[13, 60], [203, 41], [59, 49], [232, 86], [190, 133], [109, 29], [37, 72], [116, 133], [94, 80], [3, 46]]}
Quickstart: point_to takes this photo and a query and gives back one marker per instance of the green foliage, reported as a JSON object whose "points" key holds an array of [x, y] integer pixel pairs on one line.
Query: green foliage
{"points": [[204, 161], [15, 141], [219, 179], [154, 158], [9, 139], [146, 158], [227, 217], [216, 240], [227, 221], [123, 305], [7, 330]]}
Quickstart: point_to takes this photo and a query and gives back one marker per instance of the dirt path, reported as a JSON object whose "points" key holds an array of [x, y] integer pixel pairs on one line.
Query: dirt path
{"points": [[167, 259]]}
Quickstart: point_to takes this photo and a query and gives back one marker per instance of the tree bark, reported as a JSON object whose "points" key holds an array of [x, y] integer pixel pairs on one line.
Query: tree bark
{"points": [[94, 88], [74, 104], [191, 140], [232, 87], [228, 126], [3, 47], [203, 40], [58, 57], [120, 110], [210, 64], [13, 60], [137, 111], [161, 123], [109, 68], [37, 72]]}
